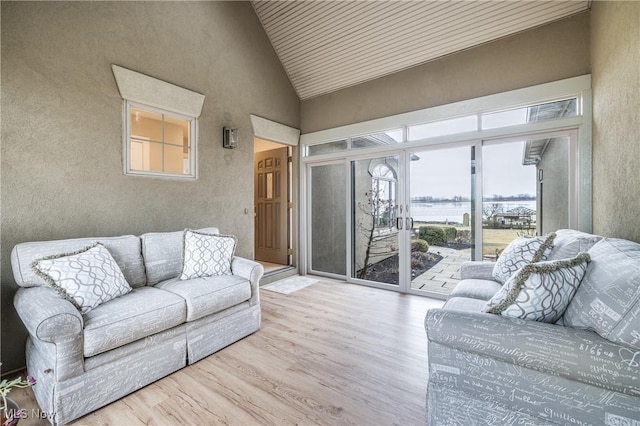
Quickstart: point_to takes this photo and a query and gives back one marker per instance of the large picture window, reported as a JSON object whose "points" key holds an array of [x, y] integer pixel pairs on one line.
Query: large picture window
{"points": [[159, 142], [433, 188]]}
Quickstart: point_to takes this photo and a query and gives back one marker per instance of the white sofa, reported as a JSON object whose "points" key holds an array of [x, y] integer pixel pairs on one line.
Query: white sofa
{"points": [[84, 361]]}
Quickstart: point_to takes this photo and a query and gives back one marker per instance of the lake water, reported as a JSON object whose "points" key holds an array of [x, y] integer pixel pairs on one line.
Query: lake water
{"points": [[453, 212]]}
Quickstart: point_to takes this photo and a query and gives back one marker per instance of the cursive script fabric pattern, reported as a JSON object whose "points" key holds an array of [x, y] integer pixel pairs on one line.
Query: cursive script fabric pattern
{"points": [[608, 301], [207, 255], [540, 291], [542, 372], [86, 278], [521, 252], [500, 370]]}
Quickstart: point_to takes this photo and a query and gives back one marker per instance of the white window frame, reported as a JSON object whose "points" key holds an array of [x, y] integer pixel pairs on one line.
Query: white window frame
{"points": [[579, 126], [193, 142]]}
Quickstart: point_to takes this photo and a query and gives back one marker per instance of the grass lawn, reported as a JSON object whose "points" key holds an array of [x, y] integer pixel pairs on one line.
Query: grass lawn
{"points": [[497, 239], [493, 239]]}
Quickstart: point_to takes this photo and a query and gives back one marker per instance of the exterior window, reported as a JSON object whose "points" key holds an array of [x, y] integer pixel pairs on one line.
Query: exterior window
{"points": [[159, 143], [390, 137], [383, 195], [327, 148], [531, 113], [444, 127]]}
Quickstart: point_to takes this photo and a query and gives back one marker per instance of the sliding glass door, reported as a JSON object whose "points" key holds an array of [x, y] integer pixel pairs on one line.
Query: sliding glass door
{"points": [[442, 215], [376, 221], [327, 218], [406, 220]]}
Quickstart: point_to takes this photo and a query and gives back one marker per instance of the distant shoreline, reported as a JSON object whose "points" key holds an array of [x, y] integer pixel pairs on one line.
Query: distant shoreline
{"points": [[427, 200]]}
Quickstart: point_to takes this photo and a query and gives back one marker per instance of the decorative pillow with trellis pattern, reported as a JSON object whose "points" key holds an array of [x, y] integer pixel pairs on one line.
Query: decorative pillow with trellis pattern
{"points": [[86, 278], [206, 255], [521, 252], [540, 291]]}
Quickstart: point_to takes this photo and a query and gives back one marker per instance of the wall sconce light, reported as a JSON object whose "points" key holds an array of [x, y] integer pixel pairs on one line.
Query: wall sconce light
{"points": [[229, 137]]}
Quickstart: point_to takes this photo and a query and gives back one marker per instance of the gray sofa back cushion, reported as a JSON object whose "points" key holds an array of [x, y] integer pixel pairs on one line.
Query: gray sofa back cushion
{"points": [[608, 300], [162, 252], [125, 250], [569, 242]]}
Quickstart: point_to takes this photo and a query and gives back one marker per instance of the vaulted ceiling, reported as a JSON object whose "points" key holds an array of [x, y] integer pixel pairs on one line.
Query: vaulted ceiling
{"points": [[328, 45]]}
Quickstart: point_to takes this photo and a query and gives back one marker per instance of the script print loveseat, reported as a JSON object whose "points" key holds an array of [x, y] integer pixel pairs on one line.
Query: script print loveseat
{"points": [[583, 369], [83, 361]]}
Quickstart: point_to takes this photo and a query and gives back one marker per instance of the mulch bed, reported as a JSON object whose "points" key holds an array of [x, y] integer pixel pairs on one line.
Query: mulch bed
{"points": [[386, 271]]}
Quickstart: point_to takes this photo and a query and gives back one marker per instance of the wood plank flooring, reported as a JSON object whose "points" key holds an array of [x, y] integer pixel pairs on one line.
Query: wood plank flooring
{"points": [[329, 354]]}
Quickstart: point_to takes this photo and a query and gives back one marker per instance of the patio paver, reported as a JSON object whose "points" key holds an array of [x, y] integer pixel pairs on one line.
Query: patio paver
{"points": [[445, 275]]}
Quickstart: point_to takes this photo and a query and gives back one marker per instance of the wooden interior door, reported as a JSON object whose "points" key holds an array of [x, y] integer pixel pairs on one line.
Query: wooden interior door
{"points": [[271, 205]]}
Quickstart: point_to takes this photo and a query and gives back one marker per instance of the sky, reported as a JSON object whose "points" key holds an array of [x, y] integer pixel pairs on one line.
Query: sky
{"points": [[446, 172]]}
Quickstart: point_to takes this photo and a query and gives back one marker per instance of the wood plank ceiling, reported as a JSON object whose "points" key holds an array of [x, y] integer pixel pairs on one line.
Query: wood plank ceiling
{"points": [[328, 45]]}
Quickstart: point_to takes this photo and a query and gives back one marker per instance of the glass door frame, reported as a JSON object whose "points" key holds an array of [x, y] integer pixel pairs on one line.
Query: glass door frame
{"points": [[401, 218], [475, 193]]}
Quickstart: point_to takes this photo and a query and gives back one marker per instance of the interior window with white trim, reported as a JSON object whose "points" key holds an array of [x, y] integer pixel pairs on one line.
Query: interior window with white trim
{"points": [[159, 142]]}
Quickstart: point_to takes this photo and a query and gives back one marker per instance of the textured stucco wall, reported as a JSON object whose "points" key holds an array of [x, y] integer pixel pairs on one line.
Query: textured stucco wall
{"points": [[62, 123], [552, 52], [615, 56]]}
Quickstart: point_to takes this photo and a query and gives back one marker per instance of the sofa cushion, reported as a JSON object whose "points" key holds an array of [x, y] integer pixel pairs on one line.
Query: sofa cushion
{"points": [[125, 250], [162, 253], [206, 255], [481, 270], [569, 242], [521, 252], [540, 291], [475, 289], [208, 295], [608, 301], [136, 315], [86, 278], [465, 304]]}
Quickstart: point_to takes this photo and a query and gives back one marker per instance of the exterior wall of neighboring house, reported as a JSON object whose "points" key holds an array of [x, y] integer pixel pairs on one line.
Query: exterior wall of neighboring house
{"points": [[615, 53], [552, 192], [62, 167]]}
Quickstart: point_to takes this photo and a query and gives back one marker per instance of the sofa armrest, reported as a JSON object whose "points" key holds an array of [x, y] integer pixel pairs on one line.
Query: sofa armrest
{"points": [[252, 271], [579, 355], [51, 320], [476, 270]]}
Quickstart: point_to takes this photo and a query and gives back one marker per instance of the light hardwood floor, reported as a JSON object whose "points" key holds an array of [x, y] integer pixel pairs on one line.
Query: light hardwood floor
{"points": [[329, 354]]}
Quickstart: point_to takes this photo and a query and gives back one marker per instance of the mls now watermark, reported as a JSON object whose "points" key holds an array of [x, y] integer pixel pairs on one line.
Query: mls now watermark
{"points": [[34, 413]]}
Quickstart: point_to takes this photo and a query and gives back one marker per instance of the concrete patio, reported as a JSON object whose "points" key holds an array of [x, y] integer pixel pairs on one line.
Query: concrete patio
{"points": [[444, 276]]}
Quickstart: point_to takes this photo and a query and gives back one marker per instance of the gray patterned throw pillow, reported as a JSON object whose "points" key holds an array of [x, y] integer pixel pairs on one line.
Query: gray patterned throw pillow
{"points": [[206, 255], [86, 278], [608, 300], [521, 252], [540, 291]]}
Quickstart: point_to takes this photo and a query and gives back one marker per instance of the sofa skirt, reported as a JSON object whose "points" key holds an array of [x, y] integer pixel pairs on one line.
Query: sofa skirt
{"points": [[68, 400], [214, 332]]}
